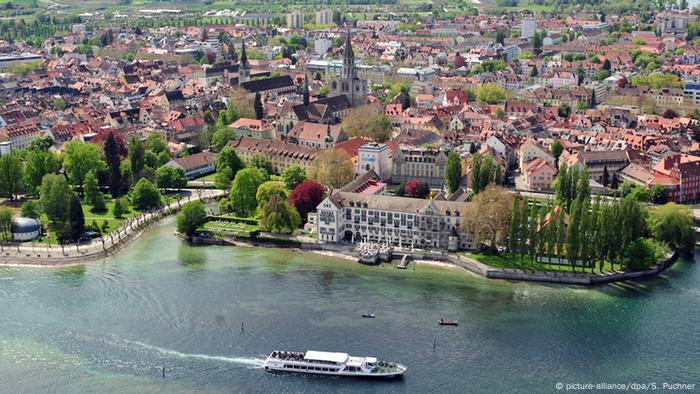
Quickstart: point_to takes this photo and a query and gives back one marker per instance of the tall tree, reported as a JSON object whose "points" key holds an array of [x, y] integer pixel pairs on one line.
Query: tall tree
{"points": [[606, 176], [258, 106], [583, 189], [279, 216], [230, 159], [6, 222], [31, 209], [561, 233], [137, 156], [513, 230], [453, 171], [572, 241], [262, 162], [113, 158], [170, 177], [306, 196], [76, 218], [92, 188], [11, 175], [533, 239], [268, 189], [333, 168], [293, 176], [561, 183], [368, 121], [156, 142], [500, 36], [244, 188], [191, 217], [476, 172], [556, 149], [80, 158], [486, 172], [38, 162], [145, 195], [488, 216], [674, 224], [54, 197], [524, 229], [498, 176]]}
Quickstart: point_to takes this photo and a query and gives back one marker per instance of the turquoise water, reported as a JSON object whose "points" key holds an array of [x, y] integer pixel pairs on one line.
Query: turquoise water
{"points": [[111, 326]]}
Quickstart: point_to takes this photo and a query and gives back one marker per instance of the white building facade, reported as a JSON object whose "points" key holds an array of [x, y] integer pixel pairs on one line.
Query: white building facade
{"points": [[431, 224]]}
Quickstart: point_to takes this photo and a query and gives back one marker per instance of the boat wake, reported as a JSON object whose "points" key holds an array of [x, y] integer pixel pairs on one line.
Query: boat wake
{"points": [[247, 361]]}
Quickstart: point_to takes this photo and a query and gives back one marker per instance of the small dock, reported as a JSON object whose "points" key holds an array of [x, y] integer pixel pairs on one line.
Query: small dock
{"points": [[404, 262]]}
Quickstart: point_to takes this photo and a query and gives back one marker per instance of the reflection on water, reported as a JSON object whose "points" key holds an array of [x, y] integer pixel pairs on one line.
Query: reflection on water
{"points": [[72, 275], [114, 326], [192, 257]]}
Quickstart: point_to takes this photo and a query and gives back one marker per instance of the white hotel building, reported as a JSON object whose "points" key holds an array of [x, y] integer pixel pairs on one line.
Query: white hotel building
{"points": [[349, 216]]}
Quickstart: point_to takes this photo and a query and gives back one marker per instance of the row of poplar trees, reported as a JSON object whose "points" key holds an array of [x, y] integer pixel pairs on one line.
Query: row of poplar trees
{"points": [[573, 229]]}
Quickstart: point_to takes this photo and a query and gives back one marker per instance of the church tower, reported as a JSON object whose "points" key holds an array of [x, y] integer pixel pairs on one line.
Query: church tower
{"points": [[348, 83], [243, 67]]}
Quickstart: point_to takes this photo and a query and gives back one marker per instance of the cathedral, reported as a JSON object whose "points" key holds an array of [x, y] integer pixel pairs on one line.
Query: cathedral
{"points": [[348, 83]]}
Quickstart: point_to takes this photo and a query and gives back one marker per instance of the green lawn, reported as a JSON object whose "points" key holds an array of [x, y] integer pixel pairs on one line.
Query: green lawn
{"points": [[514, 261], [100, 217], [225, 225], [211, 177]]}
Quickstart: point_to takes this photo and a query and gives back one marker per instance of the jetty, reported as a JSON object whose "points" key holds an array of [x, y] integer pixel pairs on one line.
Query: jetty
{"points": [[404, 262]]}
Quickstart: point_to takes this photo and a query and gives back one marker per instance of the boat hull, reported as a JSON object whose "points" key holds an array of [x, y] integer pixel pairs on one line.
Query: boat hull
{"points": [[380, 376]]}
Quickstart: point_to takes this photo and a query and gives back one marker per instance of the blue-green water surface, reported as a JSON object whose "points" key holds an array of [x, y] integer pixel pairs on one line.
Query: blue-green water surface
{"points": [[112, 326]]}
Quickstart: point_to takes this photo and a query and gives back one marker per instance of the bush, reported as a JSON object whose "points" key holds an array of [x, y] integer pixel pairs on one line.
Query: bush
{"points": [[99, 204], [642, 254], [121, 206], [416, 188], [31, 209], [673, 224], [191, 217], [145, 195]]}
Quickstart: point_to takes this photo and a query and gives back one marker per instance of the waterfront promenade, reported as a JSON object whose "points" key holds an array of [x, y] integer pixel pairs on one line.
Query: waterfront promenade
{"points": [[41, 254]]}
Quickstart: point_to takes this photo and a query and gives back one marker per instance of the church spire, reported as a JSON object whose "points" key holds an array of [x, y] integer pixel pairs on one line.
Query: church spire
{"points": [[244, 57], [348, 56], [348, 44], [243, 67]]}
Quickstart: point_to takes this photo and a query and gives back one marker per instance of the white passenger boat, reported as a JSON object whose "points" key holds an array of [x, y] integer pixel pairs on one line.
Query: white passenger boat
{"points": [[335, 364]]}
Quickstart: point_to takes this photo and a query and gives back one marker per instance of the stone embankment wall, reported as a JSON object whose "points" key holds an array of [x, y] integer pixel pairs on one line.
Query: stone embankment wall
{"points": [[559, 277], [41, 255]]}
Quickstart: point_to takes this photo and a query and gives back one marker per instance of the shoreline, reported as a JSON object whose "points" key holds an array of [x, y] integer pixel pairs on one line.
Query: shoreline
{"points": [[35, 259], [441, 260], [425, 262]]}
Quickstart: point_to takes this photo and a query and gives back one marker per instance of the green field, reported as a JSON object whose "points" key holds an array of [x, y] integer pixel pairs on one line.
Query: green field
{"points": [[513, 261], [230, 226], [100, 217], [209, 178]]}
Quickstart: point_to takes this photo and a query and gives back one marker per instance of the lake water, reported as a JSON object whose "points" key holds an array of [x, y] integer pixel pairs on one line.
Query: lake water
{"points": [[111, 326]]}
